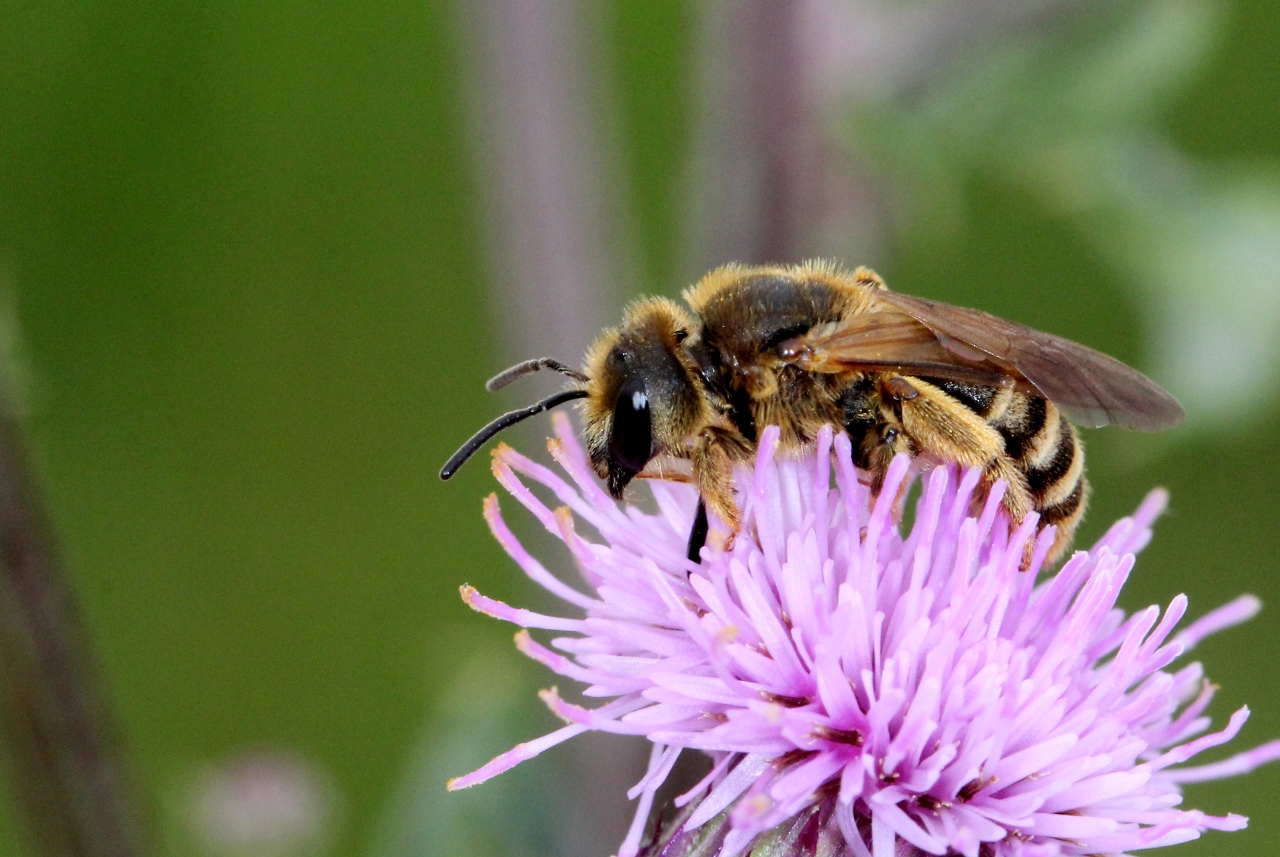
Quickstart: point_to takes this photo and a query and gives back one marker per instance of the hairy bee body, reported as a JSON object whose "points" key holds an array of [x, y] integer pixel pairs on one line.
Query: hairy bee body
{"points": [[1015, 436], [805, 346]]}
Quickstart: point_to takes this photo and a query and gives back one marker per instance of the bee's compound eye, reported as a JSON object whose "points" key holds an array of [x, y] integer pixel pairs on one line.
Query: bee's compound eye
{"points": [[631, 441]]}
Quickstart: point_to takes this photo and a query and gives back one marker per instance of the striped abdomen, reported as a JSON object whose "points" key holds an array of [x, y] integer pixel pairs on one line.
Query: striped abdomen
{"points": [[1041, 444]]}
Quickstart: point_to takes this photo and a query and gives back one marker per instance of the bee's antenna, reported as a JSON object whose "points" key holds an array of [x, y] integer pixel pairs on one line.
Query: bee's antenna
{"points": [[505, 421], [506, 376]]}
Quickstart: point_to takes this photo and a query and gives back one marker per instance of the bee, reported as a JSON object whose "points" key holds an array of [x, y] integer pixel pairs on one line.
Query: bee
{"points": [[808, 345]]}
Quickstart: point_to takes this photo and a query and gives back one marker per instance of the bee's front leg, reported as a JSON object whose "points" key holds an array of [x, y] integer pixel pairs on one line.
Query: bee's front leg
{"points": [[665, 473], [714, 455]]}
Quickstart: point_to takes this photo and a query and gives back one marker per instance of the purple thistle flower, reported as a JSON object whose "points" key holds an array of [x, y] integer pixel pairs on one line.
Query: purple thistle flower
{"points": [[866, 690]]}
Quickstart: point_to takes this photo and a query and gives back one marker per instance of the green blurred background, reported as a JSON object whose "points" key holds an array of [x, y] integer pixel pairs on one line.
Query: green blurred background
{"points": [[251, 294]]}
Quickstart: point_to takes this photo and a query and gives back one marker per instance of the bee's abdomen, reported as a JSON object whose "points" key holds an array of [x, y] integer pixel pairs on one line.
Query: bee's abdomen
{"points": [[1026, 428], [1044, 445], [1067, 512]]}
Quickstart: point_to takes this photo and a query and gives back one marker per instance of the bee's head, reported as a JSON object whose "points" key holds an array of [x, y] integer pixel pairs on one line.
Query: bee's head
{"points": [[642, 397]]}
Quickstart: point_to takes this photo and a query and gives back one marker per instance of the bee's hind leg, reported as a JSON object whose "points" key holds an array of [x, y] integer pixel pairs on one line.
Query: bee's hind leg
{"points": [[1017, 500], [945, 428]]}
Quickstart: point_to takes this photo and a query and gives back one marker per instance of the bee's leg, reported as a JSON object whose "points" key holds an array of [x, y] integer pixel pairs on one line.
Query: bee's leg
{"points": [[944, 427], [880, 450], [1017, 500], [664, 474], [698, 535], [713, 460], [876, 434], [865, 423]]}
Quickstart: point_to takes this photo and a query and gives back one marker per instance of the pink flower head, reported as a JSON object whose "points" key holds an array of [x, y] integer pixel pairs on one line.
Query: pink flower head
{"points": [[871, 691]]}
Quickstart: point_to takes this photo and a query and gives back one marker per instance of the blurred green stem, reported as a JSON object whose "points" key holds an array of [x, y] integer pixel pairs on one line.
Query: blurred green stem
{"points": [[68, 775]]}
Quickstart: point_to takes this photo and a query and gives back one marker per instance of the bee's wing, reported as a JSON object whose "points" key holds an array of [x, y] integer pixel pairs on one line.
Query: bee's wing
{"points": [[930, 338]]}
